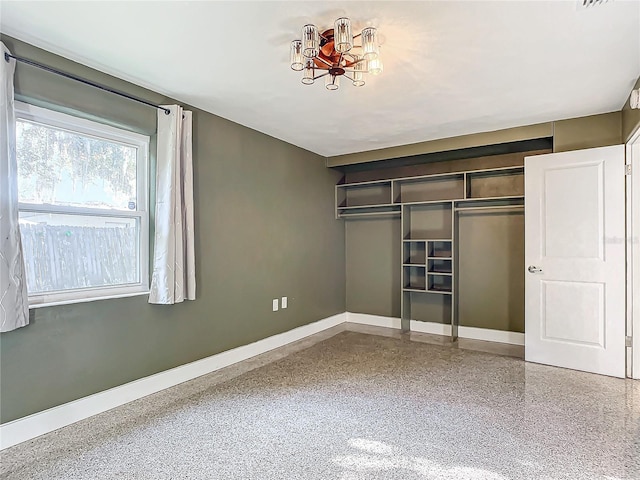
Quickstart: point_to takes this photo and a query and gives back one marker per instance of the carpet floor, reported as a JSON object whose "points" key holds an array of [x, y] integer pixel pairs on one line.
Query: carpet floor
{"points": [[358, 406]]}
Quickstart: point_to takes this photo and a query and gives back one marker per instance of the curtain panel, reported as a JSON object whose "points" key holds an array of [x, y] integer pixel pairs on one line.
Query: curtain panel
{"points": [[14, 302], [173, 279]]}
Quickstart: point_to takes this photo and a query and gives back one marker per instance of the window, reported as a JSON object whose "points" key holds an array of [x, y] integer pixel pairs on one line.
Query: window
{"points": [[82, 192]]}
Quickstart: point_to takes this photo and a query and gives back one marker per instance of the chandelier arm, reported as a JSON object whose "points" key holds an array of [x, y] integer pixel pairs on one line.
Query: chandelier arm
{"points": [[353, 62], [323, 61], [348, 77], [320, 76]]}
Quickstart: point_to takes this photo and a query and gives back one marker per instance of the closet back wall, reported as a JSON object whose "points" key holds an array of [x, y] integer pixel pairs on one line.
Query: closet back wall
{"points": [[264, 223]]}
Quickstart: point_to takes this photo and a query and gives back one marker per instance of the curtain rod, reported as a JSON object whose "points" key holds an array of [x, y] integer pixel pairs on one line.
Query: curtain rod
{"points": [[7, 56]]}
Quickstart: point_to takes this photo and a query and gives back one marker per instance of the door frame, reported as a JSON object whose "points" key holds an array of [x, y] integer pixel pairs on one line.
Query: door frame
{"points": [[633, 253]]}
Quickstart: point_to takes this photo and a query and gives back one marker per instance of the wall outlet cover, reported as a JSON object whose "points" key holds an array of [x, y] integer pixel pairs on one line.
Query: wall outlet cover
{"points": [[284, 302], [275, 304]]}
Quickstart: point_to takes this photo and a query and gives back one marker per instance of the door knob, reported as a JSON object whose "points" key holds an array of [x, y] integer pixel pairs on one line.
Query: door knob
{"points": [[534, 269]]}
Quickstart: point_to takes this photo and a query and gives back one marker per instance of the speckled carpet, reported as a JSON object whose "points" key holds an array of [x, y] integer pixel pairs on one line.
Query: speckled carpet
{"points": [[358, 406]]}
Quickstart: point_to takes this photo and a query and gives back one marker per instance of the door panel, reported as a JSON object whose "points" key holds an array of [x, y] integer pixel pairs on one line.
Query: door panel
{"points": [[575, 254], [573, 312], [575, 230]]}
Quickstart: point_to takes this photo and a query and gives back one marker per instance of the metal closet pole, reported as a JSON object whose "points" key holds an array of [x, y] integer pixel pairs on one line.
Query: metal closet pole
{"points": [[82, 80]]}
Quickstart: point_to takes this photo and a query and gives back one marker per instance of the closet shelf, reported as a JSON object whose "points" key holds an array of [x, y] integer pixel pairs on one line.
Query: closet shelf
{"points": [[444, 292], [426, 240]]}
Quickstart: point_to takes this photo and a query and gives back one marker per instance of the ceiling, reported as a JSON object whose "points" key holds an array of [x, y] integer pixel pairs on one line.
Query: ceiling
{"points": [[450, 68]]}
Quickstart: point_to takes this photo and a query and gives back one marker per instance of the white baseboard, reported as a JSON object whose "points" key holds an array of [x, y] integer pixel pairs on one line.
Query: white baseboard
{"points": [[486, 334], [26, 428], [430, 327], [374, 320], [489, 335]]}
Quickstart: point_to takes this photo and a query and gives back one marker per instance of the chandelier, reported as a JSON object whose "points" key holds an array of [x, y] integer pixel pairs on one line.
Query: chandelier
{"points": [[333, 54]]}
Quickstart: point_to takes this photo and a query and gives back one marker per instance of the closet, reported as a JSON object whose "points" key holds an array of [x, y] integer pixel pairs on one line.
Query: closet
{"points": [[458, 246]]}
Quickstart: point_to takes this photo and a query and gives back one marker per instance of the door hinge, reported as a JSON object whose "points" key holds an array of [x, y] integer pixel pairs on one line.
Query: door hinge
{"points": [[628, 341], [627, 169]]}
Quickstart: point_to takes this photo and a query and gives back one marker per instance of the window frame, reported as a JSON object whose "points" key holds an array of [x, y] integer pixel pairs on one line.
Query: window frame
{"points": [[89, 128]]}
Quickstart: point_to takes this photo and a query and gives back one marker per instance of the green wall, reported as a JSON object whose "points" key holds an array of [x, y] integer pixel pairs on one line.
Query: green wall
{"points": [[587, 132], [492, 276], [373, 265], [265, 228]]}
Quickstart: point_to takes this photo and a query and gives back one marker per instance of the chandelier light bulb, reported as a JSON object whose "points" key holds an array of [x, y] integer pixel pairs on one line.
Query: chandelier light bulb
{"points": [[310, 41], [342, 36], [375, 66], [359, 67], [296, 56], [332, 82], [370, 47], [308, 74]]}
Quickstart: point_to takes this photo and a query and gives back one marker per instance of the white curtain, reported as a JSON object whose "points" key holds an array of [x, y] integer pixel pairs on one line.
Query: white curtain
{"points": [[14, 303], [174, 276]]}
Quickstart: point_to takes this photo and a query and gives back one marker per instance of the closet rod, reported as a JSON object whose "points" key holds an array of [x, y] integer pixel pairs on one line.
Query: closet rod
{"points": [[7, 56], [497, 207]]}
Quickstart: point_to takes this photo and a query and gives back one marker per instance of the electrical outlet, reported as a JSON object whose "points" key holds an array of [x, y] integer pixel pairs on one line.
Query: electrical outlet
{"points": [[284, 302], [275, 304]]}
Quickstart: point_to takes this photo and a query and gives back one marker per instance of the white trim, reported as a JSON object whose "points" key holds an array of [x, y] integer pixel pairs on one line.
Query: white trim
{"points": [[486, 334], [32, 426], [430, 327], [373, 320], [633, 235], [143, 291], [84, 211], [490, 335]]}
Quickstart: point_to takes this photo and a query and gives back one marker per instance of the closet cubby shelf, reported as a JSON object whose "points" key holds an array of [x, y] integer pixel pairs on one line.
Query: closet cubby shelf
{"points": [[504, 183], [422, 290]]}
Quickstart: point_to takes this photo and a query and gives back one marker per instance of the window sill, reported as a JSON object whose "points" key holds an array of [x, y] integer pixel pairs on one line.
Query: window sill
{"points": [[84, 300]]}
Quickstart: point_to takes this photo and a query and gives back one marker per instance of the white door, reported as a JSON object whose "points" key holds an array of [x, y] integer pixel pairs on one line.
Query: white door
{"points": [[575, 260]]}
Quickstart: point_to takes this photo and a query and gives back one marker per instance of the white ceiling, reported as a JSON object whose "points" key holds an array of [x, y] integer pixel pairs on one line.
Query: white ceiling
{"points": [[451, 68]]}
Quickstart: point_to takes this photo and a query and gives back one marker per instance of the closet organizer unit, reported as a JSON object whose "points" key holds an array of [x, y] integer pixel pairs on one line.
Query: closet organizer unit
{"points": [[429, 206]]}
